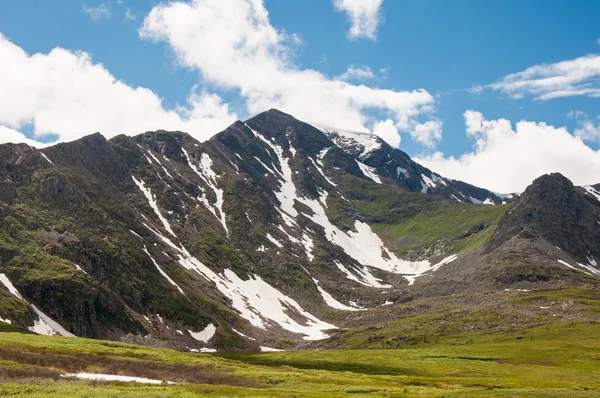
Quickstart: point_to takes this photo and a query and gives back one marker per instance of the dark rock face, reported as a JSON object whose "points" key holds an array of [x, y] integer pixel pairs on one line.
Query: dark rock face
{"points": [[552, 208]]}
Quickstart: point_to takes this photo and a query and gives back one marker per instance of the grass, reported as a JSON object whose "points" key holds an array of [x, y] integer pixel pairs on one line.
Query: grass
{"points": [[560, 359], [409, 220]]}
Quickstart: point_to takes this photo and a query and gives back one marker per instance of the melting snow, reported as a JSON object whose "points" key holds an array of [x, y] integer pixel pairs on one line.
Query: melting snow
{"points": [[105, 377], [368, 278], [163, 273], [265, 166], [79, 268], [269, 349], [255, 300], [438, 179], [210, 178], [589, 270], [243, 335], [447, 260], [400, 170], [48, 326], [275, 241], [46, 157], [369, 172], [321, 172], [205, 335], [366, 142], [330, 301], [152, 201], [426, 183], [11, 288], [207, 350], [5, 320], [592, 191]]}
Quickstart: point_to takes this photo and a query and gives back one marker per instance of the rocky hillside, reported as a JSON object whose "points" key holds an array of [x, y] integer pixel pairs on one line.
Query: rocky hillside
{"points": [[269, 234]]}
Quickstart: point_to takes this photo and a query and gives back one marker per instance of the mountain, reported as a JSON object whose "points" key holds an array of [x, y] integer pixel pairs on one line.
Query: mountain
{"points": [[272, 233]]}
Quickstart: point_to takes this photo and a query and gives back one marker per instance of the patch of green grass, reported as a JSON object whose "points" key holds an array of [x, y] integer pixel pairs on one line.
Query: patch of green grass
{"points": [[423, 219], [554, 360]]}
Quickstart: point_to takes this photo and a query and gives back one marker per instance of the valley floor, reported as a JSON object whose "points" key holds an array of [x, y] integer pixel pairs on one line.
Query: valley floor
{"points": [[558, 360]]}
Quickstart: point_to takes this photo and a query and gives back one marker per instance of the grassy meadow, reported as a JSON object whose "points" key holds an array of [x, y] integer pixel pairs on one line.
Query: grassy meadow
{"points": [[557, 360]]}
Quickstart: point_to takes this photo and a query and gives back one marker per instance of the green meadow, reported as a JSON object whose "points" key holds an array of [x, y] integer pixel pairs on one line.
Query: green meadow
{"points": [[557, 360]]}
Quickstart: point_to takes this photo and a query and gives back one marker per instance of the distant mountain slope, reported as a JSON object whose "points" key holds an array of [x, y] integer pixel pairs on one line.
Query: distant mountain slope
{"points": [[256, 237]]}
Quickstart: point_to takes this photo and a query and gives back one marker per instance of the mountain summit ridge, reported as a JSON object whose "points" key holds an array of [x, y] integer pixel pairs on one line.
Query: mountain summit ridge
{"points": [[258, 235]]}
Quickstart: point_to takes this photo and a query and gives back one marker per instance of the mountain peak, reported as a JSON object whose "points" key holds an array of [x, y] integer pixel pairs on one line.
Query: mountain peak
{"points": [[552, 208]]}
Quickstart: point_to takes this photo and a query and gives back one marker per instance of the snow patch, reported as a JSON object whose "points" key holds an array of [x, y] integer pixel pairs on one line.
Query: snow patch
{"points": [[11, 288], [256, 301], [46, 157], [48, 326], [274, 241], [400, 170], [330, 301], [243, 335], [205, 335], [207, 174], [163, 273], [106, 377], [426, 183], [269, 349], [369, 172], [364, 142], [152, 201], [592, 191]]}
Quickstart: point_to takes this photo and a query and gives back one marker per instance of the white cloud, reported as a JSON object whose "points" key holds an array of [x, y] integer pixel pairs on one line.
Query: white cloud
{"points": [[388, 132], [97, 13], [10, 135], [234, 46], [65, 93], [363, 15], [577, 77], [428, 133], [507, 160], [586, 129], [357, 73]]}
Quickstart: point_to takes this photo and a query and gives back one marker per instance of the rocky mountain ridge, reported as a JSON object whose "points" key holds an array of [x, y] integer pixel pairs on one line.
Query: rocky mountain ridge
{"points": [[259, 237]]}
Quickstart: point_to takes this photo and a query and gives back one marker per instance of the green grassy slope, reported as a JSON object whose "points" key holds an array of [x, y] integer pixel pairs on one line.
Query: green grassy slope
{"points": [[559, 359], [409, 220]]}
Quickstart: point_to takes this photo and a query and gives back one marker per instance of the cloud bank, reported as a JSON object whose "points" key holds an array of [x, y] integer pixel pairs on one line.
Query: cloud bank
{"points": [[506, 159], [64, 93], [234, 47]]}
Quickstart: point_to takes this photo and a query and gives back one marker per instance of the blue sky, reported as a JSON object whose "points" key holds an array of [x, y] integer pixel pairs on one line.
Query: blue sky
{"points": [[445, 48]]}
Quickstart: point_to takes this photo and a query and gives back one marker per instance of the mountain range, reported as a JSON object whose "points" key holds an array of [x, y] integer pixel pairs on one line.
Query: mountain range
{"points": [[273, 234]]}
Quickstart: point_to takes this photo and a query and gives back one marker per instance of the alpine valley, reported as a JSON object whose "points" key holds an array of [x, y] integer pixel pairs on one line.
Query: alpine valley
{"points": [[276, 235]]}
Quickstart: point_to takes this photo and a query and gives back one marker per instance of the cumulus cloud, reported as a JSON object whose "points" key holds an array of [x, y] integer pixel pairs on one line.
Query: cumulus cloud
{"points": [[507, 159], [576, 77], [97, 13], [357, 73], [10, 135], [234, 46], [65, 93], [363, 15], [586, 129], [428, 133], [388, 132]]}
